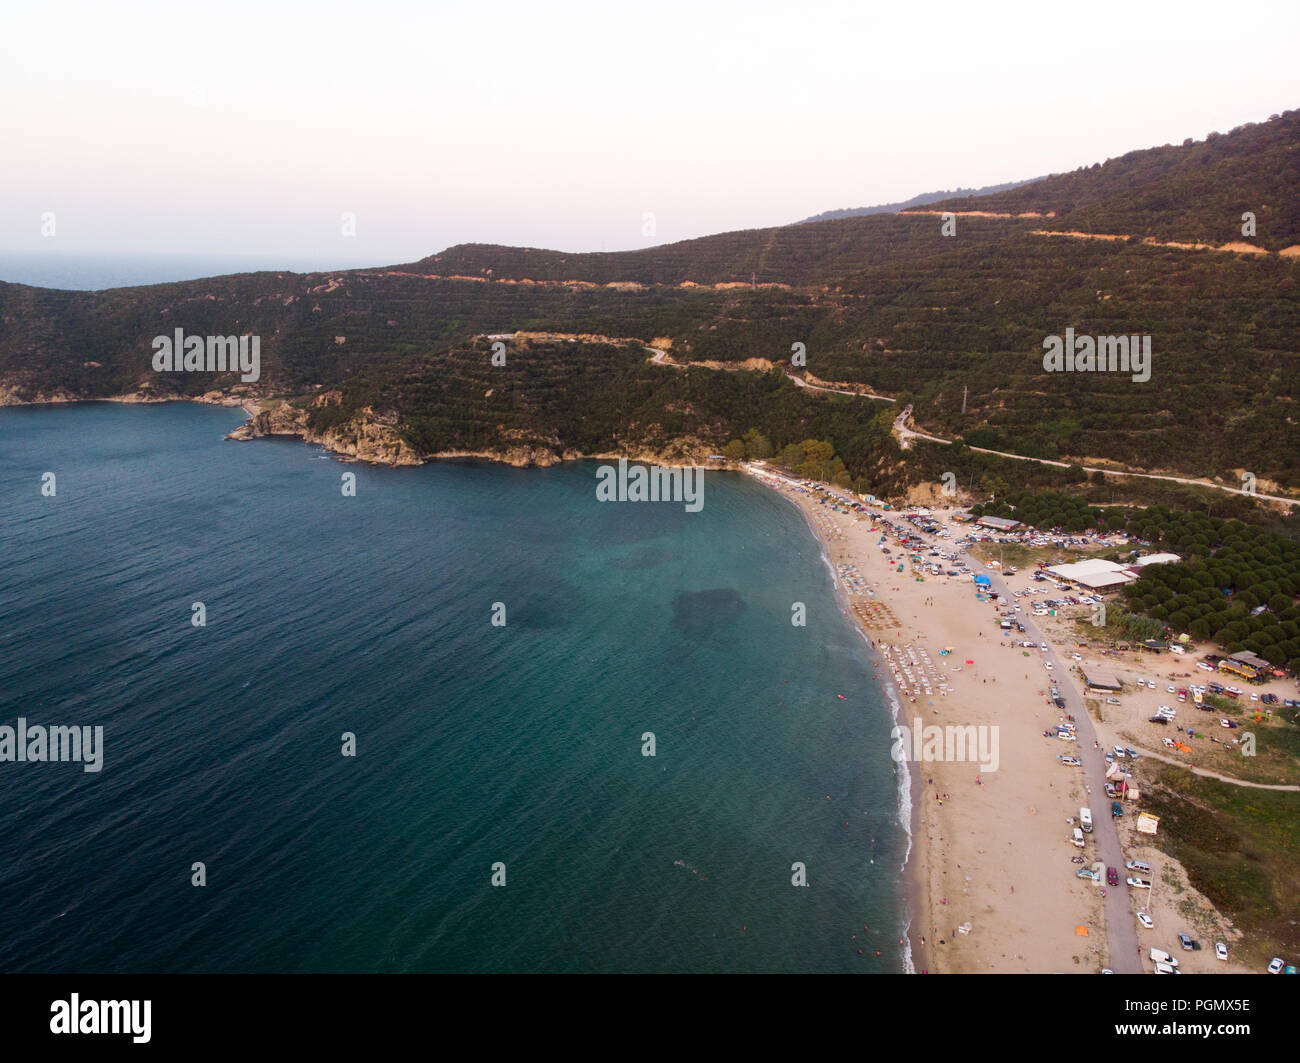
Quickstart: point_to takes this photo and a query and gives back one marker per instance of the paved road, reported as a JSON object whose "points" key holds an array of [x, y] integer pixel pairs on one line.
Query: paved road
{"points": [[906, 435], [1121, 925]]}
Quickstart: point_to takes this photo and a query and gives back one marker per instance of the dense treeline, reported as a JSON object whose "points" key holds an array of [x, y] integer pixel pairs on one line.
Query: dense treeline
{"points": [[1043, 510], [1236, 584]]}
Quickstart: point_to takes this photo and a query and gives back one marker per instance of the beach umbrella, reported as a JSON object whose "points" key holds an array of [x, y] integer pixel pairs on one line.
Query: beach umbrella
{"points": [[1082, 931]]}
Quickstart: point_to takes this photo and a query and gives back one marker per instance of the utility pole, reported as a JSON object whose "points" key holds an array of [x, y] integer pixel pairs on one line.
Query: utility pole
{"points": [[963, 398]]}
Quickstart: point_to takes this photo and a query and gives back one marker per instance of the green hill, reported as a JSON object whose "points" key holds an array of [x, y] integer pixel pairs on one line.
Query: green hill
{"points": [[886, 302], [1194, 192]]}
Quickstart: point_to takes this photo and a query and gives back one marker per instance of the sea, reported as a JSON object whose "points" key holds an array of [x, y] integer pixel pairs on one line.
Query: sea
{"points": [[79, 271], [348, 766]]}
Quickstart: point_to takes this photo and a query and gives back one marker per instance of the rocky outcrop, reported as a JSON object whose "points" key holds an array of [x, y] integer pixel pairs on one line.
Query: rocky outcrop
{"points": [[364, 437], [373, 436]]}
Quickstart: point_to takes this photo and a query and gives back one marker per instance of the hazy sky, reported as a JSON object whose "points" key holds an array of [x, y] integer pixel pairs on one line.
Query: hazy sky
{"points": [[251, 127]]}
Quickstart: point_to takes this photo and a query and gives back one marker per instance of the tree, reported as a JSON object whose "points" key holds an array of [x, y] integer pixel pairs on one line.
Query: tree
{"points": [[791, 456], [757, 447], [734, 451], [819, 459]]}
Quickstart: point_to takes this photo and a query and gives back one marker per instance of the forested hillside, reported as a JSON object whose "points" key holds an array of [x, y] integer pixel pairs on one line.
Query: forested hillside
{"points": [[1197, 191], [952, 323]]}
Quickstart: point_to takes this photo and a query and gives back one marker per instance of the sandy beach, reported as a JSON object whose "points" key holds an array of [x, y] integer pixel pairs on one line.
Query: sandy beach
{"points": [[993, 885]]}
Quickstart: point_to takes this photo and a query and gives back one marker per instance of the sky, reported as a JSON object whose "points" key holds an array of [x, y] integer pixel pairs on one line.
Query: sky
{"points": [[253, 128]]}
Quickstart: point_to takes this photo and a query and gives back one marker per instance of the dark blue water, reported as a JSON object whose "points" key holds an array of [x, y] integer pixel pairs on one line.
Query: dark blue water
{"points": [[475, 744]]}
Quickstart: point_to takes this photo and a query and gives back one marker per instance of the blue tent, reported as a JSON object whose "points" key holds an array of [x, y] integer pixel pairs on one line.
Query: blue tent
{"points": [[983, 580]]}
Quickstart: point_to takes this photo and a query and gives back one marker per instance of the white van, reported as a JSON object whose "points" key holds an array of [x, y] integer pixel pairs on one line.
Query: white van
{"points": [[1160, 956], [1139, 867], [1078, 838], [1085, 819]]}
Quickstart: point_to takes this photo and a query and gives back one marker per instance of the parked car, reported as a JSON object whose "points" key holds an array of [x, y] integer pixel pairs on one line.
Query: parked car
{"points": [[1275, 965], [1069, 760], [1138, 883], [1116, 809], [1186, 941], [1164, 968], [1132, 753], [1220, 951], [1158, 719], [1112, 701], [1118, 751], [1112, 877], [1087, 872], [1146, 920], [1140, 866]]}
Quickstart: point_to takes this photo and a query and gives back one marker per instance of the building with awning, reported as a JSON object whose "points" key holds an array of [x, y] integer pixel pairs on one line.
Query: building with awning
{"points": [[998, 523], [1101, 678], [1147, 823], [1246, 664]]}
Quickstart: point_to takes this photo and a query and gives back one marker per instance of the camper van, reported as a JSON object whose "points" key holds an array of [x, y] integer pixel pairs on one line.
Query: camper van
{"points": [[1078, 838], [1160, 956], [1085, 820]]}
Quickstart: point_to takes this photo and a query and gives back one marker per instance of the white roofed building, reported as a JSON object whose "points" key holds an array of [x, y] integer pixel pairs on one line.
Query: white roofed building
{"points": [[1094, 573], [1157, 559]]}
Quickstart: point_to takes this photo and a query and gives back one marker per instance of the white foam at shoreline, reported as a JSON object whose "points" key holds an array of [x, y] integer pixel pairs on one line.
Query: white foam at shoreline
{"points": [[896, 710]]}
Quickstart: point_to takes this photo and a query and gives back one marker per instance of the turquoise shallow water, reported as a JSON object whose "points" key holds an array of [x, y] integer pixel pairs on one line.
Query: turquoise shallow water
{"points": [[475, 744]]}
